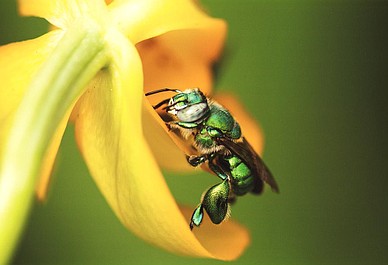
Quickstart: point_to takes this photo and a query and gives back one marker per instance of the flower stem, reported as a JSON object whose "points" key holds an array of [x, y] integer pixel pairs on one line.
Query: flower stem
{"points": [[56, 87]]}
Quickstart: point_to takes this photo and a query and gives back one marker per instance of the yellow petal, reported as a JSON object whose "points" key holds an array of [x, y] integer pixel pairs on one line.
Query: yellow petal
{"points": [[61, 13], [226, 241], [19, 62], [164, 144], [250, 128], [37, 8], [177, 59], [109, 134], [49, 159], [150, 18]]}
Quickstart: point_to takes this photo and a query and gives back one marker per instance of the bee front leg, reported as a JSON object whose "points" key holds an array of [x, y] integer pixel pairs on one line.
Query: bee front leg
{"points": [[195, 160], [185, 125]]}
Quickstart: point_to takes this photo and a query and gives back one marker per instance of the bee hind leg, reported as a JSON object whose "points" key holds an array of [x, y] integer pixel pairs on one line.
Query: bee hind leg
{"points": [[196, 218], [215, 202]]}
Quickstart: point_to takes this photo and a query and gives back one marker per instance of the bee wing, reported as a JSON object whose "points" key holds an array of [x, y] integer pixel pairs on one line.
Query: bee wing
{"points": [[245, 151]]}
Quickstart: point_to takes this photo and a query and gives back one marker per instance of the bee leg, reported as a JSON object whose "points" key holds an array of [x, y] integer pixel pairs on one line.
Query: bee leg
{"points": [[170, 125], [196, 218], [217, 169], [161, 103], [215, 202], [195, 160], [185, 125]]}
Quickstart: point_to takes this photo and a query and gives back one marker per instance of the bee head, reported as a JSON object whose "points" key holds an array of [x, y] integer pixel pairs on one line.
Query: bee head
{"points": [[189, 106]]}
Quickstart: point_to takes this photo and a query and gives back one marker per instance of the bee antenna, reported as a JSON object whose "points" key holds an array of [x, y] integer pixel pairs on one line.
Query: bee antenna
{"points": [[166, 89], [161, 103]]}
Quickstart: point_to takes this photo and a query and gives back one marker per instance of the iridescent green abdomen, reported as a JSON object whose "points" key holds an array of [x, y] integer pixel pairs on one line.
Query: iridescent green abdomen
{"points": [[241, 177]]}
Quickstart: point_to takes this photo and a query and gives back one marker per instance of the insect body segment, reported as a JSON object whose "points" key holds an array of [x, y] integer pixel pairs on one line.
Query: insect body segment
{"points": [[215, 202], [219, 124], [217, 138]]}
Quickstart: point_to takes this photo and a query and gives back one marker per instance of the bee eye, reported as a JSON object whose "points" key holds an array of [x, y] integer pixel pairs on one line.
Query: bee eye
{"points": [[180, 105], [193, 113]]}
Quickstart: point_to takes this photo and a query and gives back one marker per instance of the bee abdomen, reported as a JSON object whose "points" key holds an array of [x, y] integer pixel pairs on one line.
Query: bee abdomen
{"points": [[242, 180]]}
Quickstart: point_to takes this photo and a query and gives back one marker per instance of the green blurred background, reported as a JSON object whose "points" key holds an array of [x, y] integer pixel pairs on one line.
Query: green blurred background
{"points": [[314, 73]]}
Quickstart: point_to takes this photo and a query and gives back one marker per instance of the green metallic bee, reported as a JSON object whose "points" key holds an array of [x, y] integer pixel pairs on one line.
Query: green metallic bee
{"points": [[216, 136]]}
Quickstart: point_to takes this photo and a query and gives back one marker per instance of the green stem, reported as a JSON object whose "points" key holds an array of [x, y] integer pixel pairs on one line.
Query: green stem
{"points": [[78, 56]]}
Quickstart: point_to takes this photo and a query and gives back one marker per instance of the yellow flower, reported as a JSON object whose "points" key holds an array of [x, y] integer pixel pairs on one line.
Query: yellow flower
{"points": [[92, 68]]}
